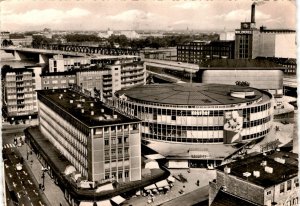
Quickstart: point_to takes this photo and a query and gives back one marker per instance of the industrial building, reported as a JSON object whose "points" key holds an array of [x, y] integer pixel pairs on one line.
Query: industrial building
{"points": [[18, 94], [198, 51], [188, 122], [263, 179]]}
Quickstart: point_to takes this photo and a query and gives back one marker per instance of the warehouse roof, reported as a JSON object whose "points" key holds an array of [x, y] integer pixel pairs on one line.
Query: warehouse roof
{"points": [[189, 94]]}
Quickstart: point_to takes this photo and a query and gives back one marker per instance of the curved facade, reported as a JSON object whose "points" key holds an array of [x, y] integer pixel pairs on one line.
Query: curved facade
{"points": [[198, 113]]}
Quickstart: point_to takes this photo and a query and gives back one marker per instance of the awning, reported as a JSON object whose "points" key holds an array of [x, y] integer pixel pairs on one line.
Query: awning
{"points": [[83, 203], [118, 199], [171, 178], [162, 183], [104, 203], [150, 187], [106, 187], [155, 156]]}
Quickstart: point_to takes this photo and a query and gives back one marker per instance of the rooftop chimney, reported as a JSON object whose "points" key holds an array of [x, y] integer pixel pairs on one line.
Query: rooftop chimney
{"points": [[253, 13]]}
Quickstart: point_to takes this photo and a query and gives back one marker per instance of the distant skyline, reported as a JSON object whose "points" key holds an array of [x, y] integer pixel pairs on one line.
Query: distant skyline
{"points": [[216, 15]]}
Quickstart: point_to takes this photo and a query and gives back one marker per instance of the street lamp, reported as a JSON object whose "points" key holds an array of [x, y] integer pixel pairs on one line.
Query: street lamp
{"points": [[43, 177]]}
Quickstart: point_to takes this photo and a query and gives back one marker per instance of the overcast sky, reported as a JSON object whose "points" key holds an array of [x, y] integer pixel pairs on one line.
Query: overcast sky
{"points": [[142, 14]]}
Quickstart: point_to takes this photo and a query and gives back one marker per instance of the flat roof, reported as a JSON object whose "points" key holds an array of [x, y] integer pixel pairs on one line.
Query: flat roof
{"points": [[245, 64], [188, 94], [62, 97], [281, 171]]}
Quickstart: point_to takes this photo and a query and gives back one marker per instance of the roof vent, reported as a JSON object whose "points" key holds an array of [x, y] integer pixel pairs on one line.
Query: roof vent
{"points": [[263, 163], [280, 160], [256, 173], [115, 116], [92, 104], [102, 110], [82, 111], [78, 105], [108, 117], [73, 95], [83, 100], [227, 170], [246, 174], [92, 113], [71, 101], [268, 169], [100, 118], [65, 90]]}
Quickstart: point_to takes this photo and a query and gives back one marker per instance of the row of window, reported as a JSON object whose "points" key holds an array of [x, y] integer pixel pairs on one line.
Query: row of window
{"points": [[180, 139], [288, 185], [256, 135]]}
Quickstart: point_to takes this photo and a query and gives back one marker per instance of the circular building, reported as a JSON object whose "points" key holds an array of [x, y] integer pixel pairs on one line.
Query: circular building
{"points": [[198, 113], [194, 114]]}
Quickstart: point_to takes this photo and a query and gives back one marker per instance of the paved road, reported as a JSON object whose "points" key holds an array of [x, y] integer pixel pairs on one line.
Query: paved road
{"points": [[21, 182]]}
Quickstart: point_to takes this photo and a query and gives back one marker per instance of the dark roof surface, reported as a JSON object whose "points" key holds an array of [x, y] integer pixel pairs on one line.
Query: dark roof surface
{"points": [[226, 199], [281, 172], [86, 117], [188, 94], [256, 64]]}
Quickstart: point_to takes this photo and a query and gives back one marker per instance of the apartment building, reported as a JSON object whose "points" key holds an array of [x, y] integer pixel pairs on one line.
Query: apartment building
{"points": [[18, 91]]}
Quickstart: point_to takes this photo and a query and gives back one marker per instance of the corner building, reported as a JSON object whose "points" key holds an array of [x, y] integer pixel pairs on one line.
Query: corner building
{"points": [[100, 143], [198, 113]]}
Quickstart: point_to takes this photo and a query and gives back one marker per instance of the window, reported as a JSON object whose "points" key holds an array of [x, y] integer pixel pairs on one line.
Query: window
{"points": [[126, 139], [173, 117], [120, 175], [126, 173], [113, 152], [113, 141], [296, 181], [269, 192], [119, 140], [106, 176], [289, 184], [126, 150], [106, 141], [281, 187]]}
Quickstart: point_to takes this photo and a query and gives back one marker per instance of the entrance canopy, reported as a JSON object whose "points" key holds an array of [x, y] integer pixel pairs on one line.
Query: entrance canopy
{"points": [[155, 156], [150, 187], [162, 183]]}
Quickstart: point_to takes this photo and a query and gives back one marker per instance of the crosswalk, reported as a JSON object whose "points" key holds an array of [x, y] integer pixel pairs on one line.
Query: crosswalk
{"points": [[9, 146]]}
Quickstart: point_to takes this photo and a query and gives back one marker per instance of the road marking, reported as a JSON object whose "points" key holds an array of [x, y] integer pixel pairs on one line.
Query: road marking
{"points": [[30, 182]]}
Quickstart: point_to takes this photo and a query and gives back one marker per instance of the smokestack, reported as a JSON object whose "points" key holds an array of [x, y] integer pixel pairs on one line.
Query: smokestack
{"points": [[253, 13]]}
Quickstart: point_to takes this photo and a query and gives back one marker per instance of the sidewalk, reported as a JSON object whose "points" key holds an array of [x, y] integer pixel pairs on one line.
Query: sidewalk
{"points": [[52, 191]]}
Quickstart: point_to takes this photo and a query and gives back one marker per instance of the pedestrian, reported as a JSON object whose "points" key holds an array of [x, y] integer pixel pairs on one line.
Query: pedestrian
{"points": [[198, 183]]}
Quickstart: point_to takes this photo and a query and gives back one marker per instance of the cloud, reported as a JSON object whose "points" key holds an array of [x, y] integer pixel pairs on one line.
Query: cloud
{"points": [[132, 15], [180, 22], [46, 16], [190, 5], [241, 15]]}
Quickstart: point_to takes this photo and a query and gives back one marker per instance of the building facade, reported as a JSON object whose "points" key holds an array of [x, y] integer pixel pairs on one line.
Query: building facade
{"points": [[18, 90], [261, 180], [100, 143], [193, 114], [198, 51], [102, 76]]}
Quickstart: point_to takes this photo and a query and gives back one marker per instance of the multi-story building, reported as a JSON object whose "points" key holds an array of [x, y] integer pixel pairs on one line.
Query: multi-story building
{"points": [[198, 51], [264, 179], [251, 42], [18, 90], [187, 122], [57, 80], [100, 143], [101, 75]]}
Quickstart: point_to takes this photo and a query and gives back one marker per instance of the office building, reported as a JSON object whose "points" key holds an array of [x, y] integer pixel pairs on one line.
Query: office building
{"points": [[263, 179], [99, 143], [187, 122], [18, 93]]}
